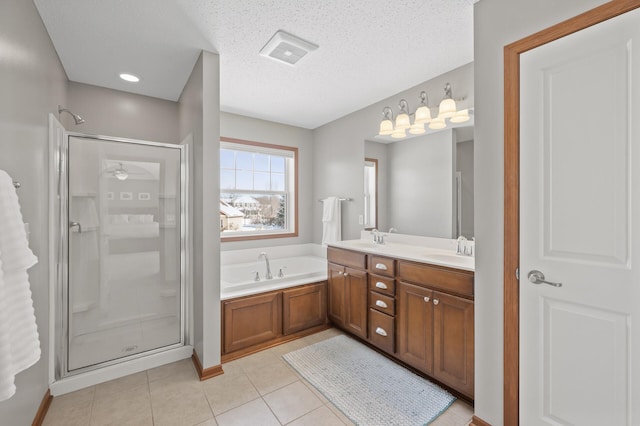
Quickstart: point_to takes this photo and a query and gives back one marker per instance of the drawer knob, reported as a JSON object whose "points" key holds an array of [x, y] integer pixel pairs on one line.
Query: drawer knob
{"points": [[427, 298], [346, 274], [381, 331], [436, 301], [381, 304], [381, 285], [340, 272], [381, 266]]}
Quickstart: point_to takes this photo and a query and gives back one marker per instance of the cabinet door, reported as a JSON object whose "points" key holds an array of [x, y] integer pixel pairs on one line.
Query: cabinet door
{"points": [[356, 302], [414, 313], [252, 320], [336, 293], [453, 341], [304, 307]]}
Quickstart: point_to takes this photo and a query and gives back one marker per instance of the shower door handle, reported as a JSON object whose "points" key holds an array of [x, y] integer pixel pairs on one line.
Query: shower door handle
{"points": [[72, 224]]}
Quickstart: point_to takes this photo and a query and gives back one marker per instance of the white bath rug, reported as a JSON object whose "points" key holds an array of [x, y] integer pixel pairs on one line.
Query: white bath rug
{"points": [[367, 387]]}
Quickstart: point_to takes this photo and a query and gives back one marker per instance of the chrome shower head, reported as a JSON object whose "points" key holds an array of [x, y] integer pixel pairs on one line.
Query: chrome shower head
{"points": [[76, 117]]}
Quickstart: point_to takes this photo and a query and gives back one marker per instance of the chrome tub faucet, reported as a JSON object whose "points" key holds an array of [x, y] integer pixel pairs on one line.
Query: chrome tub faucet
{"points": [[266, 259]]}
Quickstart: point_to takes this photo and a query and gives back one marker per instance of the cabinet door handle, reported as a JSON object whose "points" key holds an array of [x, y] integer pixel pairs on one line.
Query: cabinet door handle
{"points": [[381, 266], [381, 331], [340, 272], [427, 299], [436, 301], [346, 274], [381, 304], [381, 285]]}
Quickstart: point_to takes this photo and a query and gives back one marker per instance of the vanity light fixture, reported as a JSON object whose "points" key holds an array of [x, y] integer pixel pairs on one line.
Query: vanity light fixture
{"points": [[131, 78], [446, 110]]}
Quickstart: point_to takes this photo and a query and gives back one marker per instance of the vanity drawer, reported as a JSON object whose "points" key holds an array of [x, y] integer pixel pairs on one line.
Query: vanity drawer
{"points": [[436, 277], [382, 303], [349, 258], [382, 331], [382, 265], [382, 284]]}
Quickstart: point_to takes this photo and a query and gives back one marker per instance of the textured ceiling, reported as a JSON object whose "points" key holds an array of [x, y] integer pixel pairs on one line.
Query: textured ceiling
{"points": [[369, 50]]}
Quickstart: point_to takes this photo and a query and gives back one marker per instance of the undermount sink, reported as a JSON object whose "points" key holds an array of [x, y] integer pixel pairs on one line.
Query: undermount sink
{"points": [[445, 257], [365, 245]]}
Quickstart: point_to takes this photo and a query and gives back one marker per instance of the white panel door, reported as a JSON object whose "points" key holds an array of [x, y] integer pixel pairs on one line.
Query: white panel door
{"points": [[580, 226]]}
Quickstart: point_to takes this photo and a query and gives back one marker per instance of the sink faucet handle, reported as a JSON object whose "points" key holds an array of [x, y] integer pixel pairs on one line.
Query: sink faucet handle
{"points": [[256, 277], [281, 273]]}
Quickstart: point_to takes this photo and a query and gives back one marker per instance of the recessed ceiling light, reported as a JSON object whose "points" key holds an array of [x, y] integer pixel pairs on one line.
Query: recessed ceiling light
{"points": [[129, 77]]}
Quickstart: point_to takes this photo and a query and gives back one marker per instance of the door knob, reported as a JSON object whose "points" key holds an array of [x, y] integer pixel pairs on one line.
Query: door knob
{"points": [[537, 277], [73, 224]]}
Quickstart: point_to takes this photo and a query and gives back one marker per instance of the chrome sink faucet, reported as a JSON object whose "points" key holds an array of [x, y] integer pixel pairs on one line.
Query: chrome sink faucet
{"points": [[266, 259], [461, 245], [378, 238]]}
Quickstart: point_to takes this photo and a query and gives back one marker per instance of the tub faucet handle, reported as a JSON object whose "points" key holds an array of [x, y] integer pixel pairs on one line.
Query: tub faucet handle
{"points": [[256, 277], [281, 273]]}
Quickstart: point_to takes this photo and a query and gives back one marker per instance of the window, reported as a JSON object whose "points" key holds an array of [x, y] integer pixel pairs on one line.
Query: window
{"points": [[258, 190], [370, 193]]}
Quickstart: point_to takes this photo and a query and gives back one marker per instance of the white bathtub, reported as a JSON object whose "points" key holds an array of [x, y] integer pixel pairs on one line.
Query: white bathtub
{"points": [[302, 264]]}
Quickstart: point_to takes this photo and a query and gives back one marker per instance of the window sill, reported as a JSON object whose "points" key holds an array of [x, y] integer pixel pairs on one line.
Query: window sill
{"points": [[225, 239]]}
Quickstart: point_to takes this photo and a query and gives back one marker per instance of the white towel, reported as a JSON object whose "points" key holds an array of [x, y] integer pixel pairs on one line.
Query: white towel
{"points": [[19, 342], [331, 220]]}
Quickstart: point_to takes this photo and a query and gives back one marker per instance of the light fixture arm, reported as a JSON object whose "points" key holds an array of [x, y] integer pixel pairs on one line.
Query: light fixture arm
{"points": [[447, 91], [387, 113], [404, 107], [424, 99]]}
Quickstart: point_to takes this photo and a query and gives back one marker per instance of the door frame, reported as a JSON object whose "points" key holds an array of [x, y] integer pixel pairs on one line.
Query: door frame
{"points": [[511, 353]]}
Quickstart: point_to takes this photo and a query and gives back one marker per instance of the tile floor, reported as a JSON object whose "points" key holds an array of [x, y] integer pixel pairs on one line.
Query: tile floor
{"points": [[259, 389]]}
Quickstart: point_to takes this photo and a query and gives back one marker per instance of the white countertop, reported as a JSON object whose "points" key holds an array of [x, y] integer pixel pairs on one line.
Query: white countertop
{"points": [[416, 253]]}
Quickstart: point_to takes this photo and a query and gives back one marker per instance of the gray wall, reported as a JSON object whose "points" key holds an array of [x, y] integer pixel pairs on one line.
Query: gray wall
{"points": [[421, 185], [338, 147], [497, 23], [32, 84], [199, 111], [253, 129], [114, 113]]}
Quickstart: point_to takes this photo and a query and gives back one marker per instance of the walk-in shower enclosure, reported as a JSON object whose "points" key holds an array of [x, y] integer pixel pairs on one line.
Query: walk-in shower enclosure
{"points": [[121, 228]]}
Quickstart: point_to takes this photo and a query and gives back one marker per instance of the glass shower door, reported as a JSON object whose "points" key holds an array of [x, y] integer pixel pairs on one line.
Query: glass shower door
{"points": [[125, 280]]}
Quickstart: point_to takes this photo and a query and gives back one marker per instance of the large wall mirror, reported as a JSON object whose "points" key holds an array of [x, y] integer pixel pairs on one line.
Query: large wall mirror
{"points": [[424, 184]]}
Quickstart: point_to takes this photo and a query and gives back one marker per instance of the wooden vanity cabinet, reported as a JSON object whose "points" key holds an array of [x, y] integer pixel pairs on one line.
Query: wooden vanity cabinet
{"points": [[382, 304], [419, 313], [453, 348], [436, 329], [347, 307], [415, 326]]}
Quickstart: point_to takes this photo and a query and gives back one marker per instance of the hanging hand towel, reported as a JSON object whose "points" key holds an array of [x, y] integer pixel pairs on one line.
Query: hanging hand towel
{"points": [[19, 341], [331, 220]]}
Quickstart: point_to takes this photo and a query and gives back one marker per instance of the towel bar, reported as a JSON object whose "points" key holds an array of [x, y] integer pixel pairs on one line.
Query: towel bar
{"points": [[341, 199]]}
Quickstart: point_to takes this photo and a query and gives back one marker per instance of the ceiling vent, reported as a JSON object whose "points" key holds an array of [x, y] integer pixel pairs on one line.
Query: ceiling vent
{"points": [[287, 48]]}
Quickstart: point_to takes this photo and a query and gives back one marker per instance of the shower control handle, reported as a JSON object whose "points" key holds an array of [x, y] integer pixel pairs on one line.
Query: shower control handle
{"points": [[73, 224]]}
